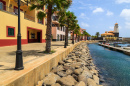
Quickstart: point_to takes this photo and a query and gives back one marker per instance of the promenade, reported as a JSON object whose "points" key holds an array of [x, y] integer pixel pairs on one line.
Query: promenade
{"points": [[31, 53]]}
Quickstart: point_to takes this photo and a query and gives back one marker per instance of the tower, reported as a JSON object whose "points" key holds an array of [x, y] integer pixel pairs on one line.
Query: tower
{"points": [[116, 30]]}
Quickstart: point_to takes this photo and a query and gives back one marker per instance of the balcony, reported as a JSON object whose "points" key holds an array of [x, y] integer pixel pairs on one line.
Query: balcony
{"points": [[14, 11], [26, 16]]}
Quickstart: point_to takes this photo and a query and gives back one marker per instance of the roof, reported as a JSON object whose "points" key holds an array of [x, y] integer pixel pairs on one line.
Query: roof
{"points": [[107, 34], [116, 23], [110, 31]]}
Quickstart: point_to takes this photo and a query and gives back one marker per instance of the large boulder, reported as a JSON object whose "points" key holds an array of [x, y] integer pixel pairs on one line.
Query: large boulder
{"points": [[81, 83], [50, 79], [59, 68], [91, 82], [96, 79], [67, 81], [78, 71], [82, 78], [61, 73]]}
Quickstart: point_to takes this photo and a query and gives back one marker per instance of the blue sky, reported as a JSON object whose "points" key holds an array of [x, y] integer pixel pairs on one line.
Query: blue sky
{"points": [[101, 15]]}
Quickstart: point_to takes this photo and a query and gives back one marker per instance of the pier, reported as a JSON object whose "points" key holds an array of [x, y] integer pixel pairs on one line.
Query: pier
{"points": [[116, 48]]}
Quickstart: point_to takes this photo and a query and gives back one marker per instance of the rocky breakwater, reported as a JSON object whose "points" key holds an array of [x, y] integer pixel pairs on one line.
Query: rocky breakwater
{"points": [[77, 69]]}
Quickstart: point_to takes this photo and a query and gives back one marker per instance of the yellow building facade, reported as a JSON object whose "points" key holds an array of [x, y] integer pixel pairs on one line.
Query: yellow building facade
{"points": [[32, 29]]}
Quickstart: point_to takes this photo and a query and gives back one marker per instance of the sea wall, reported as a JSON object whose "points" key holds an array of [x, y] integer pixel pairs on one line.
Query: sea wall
{"points": [[77, 69]]}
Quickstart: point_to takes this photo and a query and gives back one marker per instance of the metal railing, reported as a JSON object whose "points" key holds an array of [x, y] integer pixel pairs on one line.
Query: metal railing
{"points": [[7, 9], [15, 12], [26, 16]]}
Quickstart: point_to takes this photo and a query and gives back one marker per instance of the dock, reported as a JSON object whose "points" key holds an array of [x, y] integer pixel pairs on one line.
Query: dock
{"points": [[125, 51]]}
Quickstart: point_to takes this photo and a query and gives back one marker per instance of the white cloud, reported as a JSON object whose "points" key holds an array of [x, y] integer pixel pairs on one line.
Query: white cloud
{"points": [[109, 13], [122, 1], [83, 16], [84, 24], [127, 25], [98, 10], [126, 14]]}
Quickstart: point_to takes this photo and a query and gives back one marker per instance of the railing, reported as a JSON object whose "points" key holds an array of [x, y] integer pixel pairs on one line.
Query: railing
{"points": [[14, 11], [26, 16], [8, 9]]}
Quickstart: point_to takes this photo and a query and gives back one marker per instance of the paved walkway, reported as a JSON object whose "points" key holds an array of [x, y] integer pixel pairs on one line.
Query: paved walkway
{"points": [[31, 52]]}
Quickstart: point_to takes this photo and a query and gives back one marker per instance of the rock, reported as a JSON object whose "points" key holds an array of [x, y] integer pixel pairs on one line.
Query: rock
{"points": [[77, 67], [91, 82], [78, 71], [50, 79], [69, 61], [61, 73], [61, 63], [56, 84], [69, 72], [96, 79], [59, 68], [67, 81], [75, 77], [76, 64], [77, 53], [82, 78], [81, 83], [79, 60], [87, 73]]}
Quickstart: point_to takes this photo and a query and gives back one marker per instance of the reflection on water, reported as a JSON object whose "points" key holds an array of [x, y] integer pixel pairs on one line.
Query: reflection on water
{"points": [[114, 66]]}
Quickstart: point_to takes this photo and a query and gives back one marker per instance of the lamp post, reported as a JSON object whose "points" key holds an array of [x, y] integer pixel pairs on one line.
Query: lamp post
{"points": [[19, 58]]}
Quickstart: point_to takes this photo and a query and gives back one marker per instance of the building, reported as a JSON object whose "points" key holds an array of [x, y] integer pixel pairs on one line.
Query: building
{"points": [[32, 28], [58, 32], [81, 37], [114, 33]]}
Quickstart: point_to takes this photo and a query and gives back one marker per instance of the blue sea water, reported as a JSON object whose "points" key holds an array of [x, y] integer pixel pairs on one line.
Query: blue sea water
{"points": [[113, 66]]}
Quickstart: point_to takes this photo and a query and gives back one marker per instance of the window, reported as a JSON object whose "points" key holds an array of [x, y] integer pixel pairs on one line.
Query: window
{"points": [[10, 31], [2, 5], [40, 21], [16, 10]]}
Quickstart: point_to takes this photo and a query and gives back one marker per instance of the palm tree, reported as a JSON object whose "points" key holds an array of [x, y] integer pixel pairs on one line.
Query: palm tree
{"points": [[97, 34], [76, 31], [52, 6]]}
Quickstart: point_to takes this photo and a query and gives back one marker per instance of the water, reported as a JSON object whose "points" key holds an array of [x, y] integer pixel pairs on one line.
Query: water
{"points": [[124, 45], [114, 66]]}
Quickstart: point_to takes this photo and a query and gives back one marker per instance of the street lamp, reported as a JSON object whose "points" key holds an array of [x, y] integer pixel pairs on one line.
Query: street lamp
{"points": [[19, 59]]}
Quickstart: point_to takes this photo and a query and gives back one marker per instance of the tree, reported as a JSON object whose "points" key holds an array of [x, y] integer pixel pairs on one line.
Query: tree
{"points": [[77, 31], [52, 6], [66, 19], [97, 34]]}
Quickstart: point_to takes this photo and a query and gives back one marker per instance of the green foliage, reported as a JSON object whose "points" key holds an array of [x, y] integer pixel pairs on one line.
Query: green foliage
{"points": [[56, 5], [52, 51], [97, 34]]}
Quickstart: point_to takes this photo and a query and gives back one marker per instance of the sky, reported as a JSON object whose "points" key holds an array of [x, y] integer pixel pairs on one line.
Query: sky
{"points": [[101, 15]]}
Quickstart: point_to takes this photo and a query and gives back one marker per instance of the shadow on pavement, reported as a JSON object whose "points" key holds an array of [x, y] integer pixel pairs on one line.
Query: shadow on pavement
{"points": [[29, 53]]}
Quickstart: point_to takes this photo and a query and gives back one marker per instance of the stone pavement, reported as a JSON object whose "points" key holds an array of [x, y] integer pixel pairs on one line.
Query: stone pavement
{"points": [[31, 51]]}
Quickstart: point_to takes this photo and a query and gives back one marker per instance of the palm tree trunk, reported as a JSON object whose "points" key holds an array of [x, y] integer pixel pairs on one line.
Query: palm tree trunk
{"points": [[73, 38], [48, 30], [67, 34], [65, 38], [76, 38]]}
